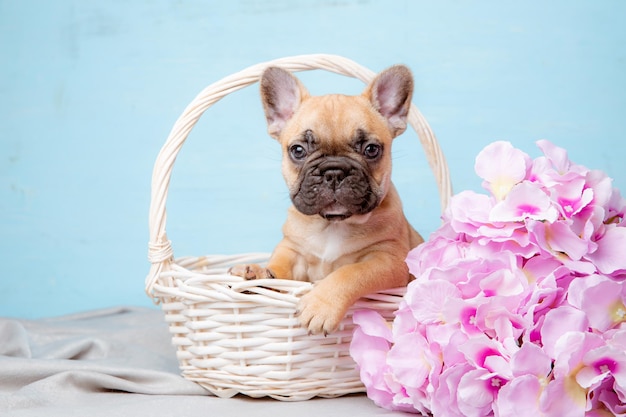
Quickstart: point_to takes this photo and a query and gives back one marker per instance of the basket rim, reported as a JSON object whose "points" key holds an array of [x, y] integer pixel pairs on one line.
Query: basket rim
{"points": [[203, 274], [160, 252]]}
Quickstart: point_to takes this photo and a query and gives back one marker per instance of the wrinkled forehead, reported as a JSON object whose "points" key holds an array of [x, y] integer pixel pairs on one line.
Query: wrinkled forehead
{"points": [[337, 118]]}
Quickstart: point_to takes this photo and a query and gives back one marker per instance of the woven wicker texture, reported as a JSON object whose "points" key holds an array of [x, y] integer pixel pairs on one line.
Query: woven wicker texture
{"points": [[235, 336]]}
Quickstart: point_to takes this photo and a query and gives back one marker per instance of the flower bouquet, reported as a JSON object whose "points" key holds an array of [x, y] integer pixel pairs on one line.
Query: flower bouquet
{"points": [[518, 303]]}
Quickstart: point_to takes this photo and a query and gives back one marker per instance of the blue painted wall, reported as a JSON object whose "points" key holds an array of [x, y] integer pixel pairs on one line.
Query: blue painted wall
{"points": [[89, 91]]}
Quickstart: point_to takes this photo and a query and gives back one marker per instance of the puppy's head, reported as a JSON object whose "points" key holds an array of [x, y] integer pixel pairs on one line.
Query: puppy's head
{"points": [[336, 148]]}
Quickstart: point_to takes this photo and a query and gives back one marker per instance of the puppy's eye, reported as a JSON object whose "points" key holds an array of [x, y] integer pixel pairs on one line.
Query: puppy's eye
{"points": [[297, 152], [372, 151]]}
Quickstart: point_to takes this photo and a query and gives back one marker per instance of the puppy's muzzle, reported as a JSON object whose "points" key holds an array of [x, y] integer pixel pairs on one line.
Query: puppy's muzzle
{"points": [[335, 188]]}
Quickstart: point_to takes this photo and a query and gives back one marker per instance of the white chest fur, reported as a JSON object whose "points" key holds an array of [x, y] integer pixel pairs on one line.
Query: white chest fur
{"points": [[325, 246], [330, 243]]}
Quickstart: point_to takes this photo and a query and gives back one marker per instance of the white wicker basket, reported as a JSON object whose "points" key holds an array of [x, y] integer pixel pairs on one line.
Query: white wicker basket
{"points": [[235, 336]]}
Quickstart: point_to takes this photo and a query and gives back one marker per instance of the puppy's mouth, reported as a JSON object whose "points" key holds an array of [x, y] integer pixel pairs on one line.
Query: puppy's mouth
{"points": [[335, 213], [336, 217]]}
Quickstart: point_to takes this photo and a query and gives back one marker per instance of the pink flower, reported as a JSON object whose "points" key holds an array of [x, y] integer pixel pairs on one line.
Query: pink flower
{"points": [[554, 167], [556, 240], [524, 201], [601, 299], [370, 345], [441, 250], [415, 365], [445, 397], [609, 258], [481, 351], [477, 391], [501, 166], [498, 317], [564, 395], [518, 306], [467, 212], [530, 359], [615, 209], [557, 323], [520, 397], [572, 197], [602, 363], [428, 300]]}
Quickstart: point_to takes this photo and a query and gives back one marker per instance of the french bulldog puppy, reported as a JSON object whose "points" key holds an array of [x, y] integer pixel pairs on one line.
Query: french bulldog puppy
{"points": [[346, 231]]}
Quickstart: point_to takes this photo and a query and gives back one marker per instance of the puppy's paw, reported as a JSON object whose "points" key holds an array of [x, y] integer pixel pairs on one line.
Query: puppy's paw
{"points": [[319, 314], [250, 271]]}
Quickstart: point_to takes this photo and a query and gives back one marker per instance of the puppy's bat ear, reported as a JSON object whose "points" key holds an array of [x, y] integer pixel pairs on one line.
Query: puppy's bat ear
{"points": [[390, 93], [281, 94]]}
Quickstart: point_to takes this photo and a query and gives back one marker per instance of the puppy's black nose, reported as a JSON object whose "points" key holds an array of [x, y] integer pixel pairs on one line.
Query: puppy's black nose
{"points": [[333, 177]]}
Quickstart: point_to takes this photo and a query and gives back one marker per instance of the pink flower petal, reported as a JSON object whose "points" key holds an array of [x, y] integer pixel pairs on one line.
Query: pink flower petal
{"points": [[563, 397], [370, 355], [561, 238], [412, 361], [438, 252], [477, 349], [600, 363], [554, 168], [538, 268], [530, 359], [372, 324], [572, 196], [570, 349], [556, 155], [468, 211], [616, 209], [428, 299], [610, 257], [558, 322], [604, 361], [578, 287], [501, 166], [601, 299], [520, 397], [476, 392], [503, 282], [602, 187], [541, 236], [450, 352], [445, 401], [612, 405], [524, 201]]}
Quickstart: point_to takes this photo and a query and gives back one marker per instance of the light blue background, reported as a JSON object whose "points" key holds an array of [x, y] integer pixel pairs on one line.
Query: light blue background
{"points": [[90, 89]]}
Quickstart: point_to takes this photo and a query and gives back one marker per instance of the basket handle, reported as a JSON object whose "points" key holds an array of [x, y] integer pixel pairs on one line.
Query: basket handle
{"points": [[160, 252]]}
